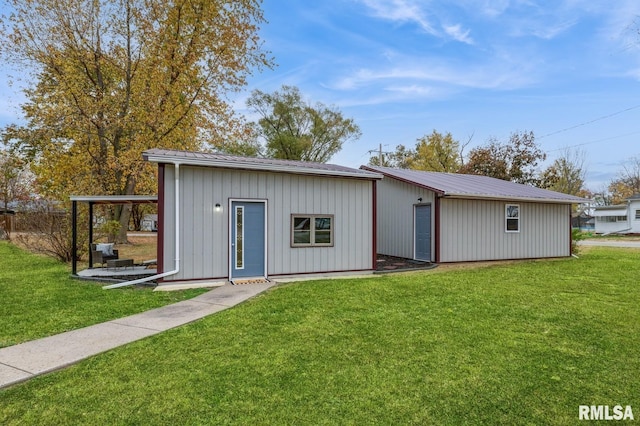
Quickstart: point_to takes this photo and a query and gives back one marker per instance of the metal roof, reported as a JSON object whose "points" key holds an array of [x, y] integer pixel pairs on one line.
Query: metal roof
{"points": [[473, 186], [613, 207], [250, 163]]}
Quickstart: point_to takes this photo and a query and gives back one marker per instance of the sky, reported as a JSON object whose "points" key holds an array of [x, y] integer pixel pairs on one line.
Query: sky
{"points": [[568, 70]]}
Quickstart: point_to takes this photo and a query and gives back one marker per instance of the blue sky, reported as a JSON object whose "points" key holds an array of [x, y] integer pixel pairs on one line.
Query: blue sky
{"points": [[487, 68], [568, 70]]}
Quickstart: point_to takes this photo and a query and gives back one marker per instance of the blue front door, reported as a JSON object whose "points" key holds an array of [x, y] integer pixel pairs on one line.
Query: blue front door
{"points": [[247, 239], [422, 228]]}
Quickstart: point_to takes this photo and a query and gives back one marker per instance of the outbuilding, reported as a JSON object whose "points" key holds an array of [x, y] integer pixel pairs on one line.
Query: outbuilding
{"points": [[224, 217], [619, 219], [447, 217]]}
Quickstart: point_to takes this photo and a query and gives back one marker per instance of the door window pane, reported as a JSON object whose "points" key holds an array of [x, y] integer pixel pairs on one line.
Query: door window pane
{"points": [[239, 237]]}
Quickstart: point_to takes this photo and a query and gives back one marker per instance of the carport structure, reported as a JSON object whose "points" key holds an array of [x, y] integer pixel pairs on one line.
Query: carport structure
{"points": [[91, 201]]}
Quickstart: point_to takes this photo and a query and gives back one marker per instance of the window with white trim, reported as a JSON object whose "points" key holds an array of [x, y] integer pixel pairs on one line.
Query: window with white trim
{"points": [[612, 218], [311, 230], [512, 218], [637, 214]]}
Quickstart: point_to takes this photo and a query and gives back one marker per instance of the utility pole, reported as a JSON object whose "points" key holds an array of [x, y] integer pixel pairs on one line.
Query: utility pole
{"points": [[380, 154]]}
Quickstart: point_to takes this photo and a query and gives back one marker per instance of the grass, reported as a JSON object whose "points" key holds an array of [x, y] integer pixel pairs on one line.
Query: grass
{"points": [[39, 298], [519, 343], [140, 248]]}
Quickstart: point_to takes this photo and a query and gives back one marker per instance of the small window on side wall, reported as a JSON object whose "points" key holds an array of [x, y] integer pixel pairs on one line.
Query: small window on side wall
{"points": [[311, 230], [512, 218]]}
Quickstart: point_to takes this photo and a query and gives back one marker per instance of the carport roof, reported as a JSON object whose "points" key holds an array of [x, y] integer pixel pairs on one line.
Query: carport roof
{"points": [[455, 185], [115, 199]]}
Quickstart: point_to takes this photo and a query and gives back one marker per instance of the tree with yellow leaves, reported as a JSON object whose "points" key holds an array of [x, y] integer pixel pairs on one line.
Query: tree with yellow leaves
{"points": [[437, 153], [110, 79]]}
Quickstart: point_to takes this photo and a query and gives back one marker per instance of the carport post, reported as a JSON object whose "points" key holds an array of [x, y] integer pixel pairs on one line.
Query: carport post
{"points": [[90, 234], [74, 236]]}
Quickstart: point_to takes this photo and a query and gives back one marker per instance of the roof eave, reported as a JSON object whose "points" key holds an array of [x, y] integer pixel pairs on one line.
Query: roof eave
{"points": [[225, 164], [514, 198], [409, 181]]}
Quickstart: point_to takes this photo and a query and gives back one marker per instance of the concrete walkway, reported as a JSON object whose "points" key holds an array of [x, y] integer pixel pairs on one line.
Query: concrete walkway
{"points": [[26, 360], [610, 243]]}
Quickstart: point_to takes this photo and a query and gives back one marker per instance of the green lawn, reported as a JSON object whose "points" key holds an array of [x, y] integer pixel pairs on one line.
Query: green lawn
{"points": [[525, 343], [38, 298]]}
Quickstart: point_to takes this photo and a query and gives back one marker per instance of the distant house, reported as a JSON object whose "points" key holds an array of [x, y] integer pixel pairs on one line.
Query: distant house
{"points": [[446, 217], [236, 218], [149, 223], [619, 219]]}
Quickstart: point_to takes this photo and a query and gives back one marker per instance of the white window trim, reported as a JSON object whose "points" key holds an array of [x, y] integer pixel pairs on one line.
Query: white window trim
{"points": [[312, 230], [507, 218]]}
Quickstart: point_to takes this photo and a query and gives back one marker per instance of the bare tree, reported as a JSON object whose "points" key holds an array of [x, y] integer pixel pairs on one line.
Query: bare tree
{"points": [[45, 228], [628, 181], [567, 173]]}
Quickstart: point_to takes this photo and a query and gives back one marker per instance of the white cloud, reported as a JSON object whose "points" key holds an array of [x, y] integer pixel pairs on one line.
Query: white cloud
{"points": [[422, 13], [401, 11], [494, 8], [457, 33], [548, 32], [501, 73], [414, 90]]}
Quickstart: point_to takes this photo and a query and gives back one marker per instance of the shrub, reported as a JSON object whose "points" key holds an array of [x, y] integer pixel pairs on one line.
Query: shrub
{"points": [[576, 236]]}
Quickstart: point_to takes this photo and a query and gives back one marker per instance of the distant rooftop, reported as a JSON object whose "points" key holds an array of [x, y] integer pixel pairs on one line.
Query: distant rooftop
{"points": [[474, 186], [252, 163]]}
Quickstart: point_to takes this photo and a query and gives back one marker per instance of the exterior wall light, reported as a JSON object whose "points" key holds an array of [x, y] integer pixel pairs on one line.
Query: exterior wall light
{"points": [[420, 199], [218, 208]]}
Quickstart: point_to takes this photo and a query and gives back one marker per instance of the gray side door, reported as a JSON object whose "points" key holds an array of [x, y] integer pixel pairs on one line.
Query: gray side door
{"points": [[422, 229], [247, 239]]}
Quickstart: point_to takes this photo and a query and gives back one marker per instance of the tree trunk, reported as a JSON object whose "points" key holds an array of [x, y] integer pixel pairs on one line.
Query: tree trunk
{"points": [[125, 214]]}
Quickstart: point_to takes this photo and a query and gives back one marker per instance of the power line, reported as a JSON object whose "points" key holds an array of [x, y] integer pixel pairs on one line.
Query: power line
{"points": [[596, 141], [589, 122]]}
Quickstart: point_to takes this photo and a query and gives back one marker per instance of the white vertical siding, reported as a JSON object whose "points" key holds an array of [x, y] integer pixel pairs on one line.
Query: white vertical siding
{"points": [[204, 232], [634, 220], [475, 230], [396, 200], [630, 225]]}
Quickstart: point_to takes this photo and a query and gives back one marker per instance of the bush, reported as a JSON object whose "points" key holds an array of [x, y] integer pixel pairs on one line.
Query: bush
{"points": [[46, 229], [576, 236]]}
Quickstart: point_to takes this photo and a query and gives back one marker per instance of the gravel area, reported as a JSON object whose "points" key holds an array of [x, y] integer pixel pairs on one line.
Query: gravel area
{"points": [[392, 263]]}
